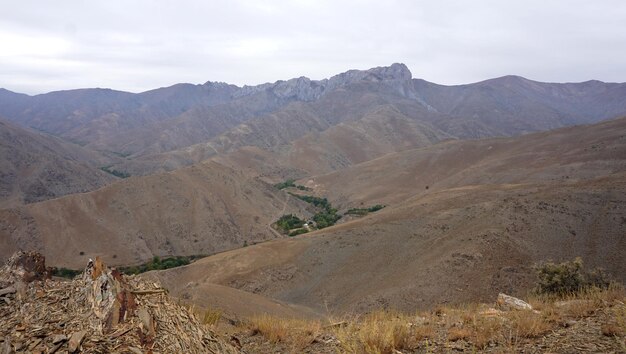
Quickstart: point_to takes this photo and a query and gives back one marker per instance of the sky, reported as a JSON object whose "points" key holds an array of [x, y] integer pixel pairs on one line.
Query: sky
{"points": [[139, 45]]}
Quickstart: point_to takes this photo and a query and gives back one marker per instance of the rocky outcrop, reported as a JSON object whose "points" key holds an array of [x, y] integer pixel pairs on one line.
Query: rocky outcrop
{"points": [[100, 311], [506, 302], [305, 89]]}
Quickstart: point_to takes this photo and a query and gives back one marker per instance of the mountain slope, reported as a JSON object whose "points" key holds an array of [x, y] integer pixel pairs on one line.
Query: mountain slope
{"points": [[36, 166], [361, 120], [565, 154], [183, 124], [203, 209], [476, 232]]}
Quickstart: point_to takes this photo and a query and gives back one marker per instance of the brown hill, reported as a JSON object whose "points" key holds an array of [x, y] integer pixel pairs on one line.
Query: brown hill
{"points": [[203, 209], [36, 166], [566, 154], [487, 218]]}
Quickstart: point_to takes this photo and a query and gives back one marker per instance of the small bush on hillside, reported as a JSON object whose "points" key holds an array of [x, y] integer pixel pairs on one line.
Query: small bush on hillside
{"points": [[568, 277]]}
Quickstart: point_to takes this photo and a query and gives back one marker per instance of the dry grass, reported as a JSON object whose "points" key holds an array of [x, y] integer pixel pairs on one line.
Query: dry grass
{"points": [[458, 333], [211, 316], [272, 328], [480, 326], [612, 330], [424, 332], [486, 330], [379, 332], [294, 332], [528, 324], [579, 308], [617, 327]]}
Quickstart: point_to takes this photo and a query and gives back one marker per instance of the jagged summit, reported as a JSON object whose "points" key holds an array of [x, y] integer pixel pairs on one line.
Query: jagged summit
{"points": [[305, 89]]}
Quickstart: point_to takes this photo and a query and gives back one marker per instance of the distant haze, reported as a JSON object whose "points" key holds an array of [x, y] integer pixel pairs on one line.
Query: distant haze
{"points": [[140, 45]]}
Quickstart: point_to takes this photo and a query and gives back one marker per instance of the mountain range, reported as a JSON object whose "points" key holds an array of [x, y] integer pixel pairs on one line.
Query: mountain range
{"points": [[478, 183]]}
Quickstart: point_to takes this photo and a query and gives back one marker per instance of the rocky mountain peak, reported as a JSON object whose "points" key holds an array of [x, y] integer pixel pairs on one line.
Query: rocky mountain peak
{"points": [[305, 89]]}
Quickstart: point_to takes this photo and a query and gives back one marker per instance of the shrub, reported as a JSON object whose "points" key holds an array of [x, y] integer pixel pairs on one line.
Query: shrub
{"points": [[568, 277]]}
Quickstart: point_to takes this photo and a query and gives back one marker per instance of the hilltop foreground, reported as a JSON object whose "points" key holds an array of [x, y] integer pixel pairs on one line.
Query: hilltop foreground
{"points": [[103, 311], [591, 322]]}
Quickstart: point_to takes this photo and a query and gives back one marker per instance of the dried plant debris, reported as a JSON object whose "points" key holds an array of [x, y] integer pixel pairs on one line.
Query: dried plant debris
{"points": [[100, 311]]}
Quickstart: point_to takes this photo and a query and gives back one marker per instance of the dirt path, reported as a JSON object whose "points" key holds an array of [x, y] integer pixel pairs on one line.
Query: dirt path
{"points": [[281, 213]]}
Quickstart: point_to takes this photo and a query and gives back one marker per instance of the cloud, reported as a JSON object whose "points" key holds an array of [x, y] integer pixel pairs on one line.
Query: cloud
{"points": [[143, 44]]}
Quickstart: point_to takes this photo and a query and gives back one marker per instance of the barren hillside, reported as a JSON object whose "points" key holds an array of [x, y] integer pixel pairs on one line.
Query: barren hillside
{"points": [[562, 155], [203, 209], [485, 219], [35, 166]]}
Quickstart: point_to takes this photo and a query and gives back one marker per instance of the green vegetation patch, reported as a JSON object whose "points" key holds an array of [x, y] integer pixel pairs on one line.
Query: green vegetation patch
{"points": [[286, 184], [115, 173], [317, 201], [289, 222], [568, 277], [291, 183], [325, 218], [158, 263], [364, 211]]}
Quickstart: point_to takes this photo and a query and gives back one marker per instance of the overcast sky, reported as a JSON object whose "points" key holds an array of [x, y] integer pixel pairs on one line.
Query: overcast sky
{"points": [[136, 45]]}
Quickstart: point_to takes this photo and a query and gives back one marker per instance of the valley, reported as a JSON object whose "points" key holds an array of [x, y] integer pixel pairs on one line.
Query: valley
{"points": [[370, 190]]}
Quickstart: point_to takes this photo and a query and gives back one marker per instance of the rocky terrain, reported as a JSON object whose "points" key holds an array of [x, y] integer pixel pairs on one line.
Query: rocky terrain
{"points": [[99, 311]]}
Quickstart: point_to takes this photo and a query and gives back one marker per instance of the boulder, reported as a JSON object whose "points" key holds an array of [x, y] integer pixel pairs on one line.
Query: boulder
{"points": [[507, 303]]}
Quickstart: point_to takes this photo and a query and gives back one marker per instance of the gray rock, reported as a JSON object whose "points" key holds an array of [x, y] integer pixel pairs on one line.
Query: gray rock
{"points": [[506, 302]]}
